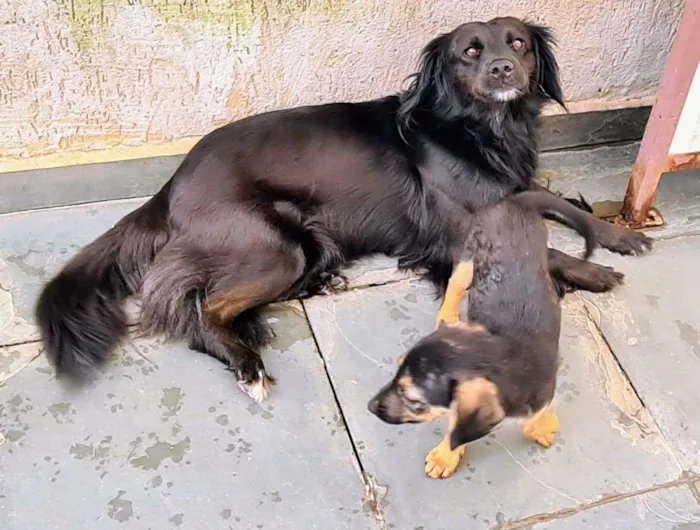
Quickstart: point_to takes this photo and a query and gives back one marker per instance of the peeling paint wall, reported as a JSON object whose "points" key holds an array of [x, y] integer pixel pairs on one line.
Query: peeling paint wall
{"points": [[83, 75]]}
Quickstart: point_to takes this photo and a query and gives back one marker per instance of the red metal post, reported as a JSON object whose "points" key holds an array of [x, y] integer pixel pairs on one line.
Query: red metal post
{"points": [[653, 158]]}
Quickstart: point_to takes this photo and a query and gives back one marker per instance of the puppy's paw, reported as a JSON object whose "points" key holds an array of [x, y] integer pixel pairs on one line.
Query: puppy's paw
{"points": [[441, 462], [626, 241], [543, 429]]}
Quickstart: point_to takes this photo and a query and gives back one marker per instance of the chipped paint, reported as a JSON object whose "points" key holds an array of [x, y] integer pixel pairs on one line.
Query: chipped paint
{"points": [[159, 452], [88, 75], [171, 401], [120, 509]]}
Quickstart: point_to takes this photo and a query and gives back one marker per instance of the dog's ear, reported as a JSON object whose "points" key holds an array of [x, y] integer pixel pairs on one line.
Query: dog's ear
{"points": [[432, 87], [547, 76], [476, 410]]}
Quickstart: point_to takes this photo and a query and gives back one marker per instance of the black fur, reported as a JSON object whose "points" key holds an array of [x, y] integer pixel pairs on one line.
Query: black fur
{"points": [[270, 206]]}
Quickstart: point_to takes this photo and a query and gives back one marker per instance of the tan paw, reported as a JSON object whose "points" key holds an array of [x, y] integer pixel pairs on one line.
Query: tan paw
{"points": [[543, 429], [441, 462]]}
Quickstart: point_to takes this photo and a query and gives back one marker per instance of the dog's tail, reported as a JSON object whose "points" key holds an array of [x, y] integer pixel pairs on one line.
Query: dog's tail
{"points": [[80, 311], [550, 206]]}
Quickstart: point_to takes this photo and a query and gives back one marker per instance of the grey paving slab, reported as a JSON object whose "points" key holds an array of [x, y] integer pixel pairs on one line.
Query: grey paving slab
{"points": [[34, 245], [602, 174], [164, 439], [653, 326], [671, 509], [609, 442]]}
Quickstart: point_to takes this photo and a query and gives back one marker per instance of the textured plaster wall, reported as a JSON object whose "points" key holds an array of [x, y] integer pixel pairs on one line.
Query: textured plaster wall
{"points": [[82, 75]]}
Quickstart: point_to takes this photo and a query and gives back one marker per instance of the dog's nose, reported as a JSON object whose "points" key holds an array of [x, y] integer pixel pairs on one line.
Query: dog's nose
{"points": [[501, 68], [373, 406]]}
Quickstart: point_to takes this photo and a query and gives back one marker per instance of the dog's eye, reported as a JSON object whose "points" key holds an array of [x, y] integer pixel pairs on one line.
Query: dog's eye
{"points": [[472, 52], [517, 44]]}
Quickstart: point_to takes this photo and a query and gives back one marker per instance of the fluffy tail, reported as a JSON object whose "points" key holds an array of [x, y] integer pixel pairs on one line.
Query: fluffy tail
{"points": [[80, 312], [553, 207]]}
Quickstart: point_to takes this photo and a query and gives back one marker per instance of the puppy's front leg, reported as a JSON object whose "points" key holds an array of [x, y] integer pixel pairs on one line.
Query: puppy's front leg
{"points": [[542, 426], [442, 461], [460, 281]]}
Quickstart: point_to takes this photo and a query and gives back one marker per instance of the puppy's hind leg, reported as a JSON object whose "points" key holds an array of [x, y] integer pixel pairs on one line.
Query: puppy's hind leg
{"points": [[460, 281]]}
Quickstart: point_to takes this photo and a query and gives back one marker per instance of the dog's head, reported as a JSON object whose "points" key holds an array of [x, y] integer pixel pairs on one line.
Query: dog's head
{"points": [[433, 381], [495, 62]]}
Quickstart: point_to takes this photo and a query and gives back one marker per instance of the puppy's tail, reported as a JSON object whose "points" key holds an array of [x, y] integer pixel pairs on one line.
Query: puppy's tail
{"points": [[79, 312], [558, 209]]}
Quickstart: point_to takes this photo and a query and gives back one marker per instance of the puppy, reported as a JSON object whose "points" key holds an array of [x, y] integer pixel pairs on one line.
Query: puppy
{"points": [[502, 362]]}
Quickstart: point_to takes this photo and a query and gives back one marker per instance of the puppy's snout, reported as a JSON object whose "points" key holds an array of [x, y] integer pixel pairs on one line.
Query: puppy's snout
{"points": [[501, 69], [373, 406]]}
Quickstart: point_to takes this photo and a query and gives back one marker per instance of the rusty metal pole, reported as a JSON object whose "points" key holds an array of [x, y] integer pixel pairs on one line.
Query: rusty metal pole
{"points": [[653, 158]]}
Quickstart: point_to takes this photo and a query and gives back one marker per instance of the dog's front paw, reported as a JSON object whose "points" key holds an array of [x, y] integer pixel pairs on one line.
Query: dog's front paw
{"points": [[442, 462], [543, 428], [626, 241]]}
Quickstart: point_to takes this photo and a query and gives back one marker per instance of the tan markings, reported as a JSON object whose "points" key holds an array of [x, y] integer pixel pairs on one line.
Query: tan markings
{"points": [[405, 382], [472, 327], [223, 307], [460, 281], [442, 461], [400, 360], [480, 395], [542, 426], [432, 414]]}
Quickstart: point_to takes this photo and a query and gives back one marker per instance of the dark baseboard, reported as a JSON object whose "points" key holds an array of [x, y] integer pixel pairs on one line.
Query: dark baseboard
{"points": [[587, 129], [64, 186]]}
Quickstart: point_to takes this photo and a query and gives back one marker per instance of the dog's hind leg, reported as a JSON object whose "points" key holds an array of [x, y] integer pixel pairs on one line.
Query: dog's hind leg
{"points": [[210, 297]]}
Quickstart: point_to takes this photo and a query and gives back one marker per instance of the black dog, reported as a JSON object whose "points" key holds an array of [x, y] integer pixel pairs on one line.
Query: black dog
{"points": [[502, 362], [270, 206]]}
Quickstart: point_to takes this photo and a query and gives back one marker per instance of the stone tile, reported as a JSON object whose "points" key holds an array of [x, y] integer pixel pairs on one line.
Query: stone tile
{"points": [[165, 439], [15, 358], [608, 443], [671, 509], [652, 323], [602, 174], [33, 246], [375, 270]]}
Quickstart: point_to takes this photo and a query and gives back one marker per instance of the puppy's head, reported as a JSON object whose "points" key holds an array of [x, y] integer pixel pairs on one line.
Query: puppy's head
{"points": [[499, 61], [434, 380]]}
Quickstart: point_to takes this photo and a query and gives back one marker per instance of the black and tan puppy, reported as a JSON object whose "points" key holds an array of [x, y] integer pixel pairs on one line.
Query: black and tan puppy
{"points": [[503, 361]]}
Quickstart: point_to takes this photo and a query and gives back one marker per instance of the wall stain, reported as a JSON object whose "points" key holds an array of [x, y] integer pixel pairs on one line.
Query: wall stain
{"points": [[88, 19]]}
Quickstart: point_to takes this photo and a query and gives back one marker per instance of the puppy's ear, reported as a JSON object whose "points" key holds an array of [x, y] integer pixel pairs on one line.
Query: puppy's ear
{"points": [[477, 411], [547, 76], [432, 87]]}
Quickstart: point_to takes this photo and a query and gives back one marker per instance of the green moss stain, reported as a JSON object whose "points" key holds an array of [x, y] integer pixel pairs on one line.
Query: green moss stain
{"points": [[89, 18]]}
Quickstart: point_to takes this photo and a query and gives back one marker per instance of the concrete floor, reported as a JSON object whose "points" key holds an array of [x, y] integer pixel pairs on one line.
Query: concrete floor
{"points": [[164, 439]]}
